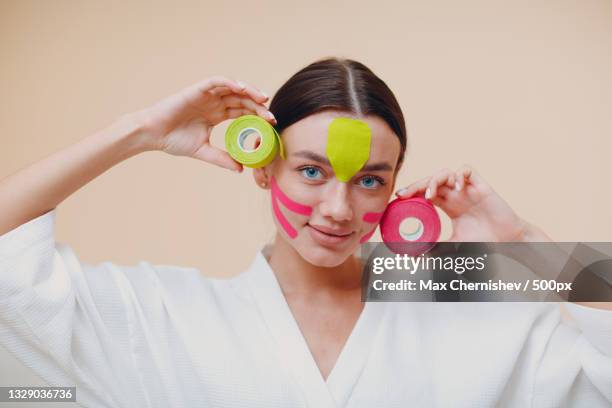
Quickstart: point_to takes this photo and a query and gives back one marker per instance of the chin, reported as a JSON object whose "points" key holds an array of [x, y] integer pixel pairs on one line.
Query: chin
{"points": [[323, 257]]}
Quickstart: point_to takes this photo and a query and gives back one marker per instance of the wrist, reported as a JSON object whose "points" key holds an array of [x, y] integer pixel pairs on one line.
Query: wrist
{"points": [[132, 131], [531, 233]]}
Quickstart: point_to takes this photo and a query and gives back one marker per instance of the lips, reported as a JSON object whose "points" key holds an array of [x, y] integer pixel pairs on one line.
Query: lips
{"points": [[328, 236], [332, 231]]}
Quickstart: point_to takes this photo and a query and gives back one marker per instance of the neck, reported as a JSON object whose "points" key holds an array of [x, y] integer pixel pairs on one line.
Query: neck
{"points": [[296, 276]]}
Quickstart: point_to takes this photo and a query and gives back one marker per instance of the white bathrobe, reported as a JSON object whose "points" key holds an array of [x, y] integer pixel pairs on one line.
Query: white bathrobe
{"points": [[165, 336]]}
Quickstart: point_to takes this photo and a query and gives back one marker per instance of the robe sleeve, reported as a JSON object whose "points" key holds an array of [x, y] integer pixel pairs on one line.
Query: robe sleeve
{"points": [[69, 322], [576, 367]]}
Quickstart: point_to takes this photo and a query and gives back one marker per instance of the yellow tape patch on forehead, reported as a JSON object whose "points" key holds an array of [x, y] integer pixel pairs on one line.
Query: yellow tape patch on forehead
{"points": [[348, 146]]}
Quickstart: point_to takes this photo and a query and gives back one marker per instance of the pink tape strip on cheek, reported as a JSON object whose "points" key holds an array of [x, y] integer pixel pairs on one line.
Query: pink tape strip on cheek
{"points": [[372, 217], [367, 236], [282, 220], [291, 205], [287, 202]]}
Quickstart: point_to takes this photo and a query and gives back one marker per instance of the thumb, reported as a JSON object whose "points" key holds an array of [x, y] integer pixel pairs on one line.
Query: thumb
{"points": [[217, 157]]}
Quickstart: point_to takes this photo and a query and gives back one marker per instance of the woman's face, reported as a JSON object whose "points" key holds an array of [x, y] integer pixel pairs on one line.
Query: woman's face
{"points": [[323, 216]]}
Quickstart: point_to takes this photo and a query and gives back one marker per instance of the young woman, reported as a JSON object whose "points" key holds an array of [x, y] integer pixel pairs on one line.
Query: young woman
{"points": [[291, 331]]}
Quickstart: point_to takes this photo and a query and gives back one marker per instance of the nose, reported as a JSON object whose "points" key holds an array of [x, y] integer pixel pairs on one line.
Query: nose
{"points": [[336, 202]]}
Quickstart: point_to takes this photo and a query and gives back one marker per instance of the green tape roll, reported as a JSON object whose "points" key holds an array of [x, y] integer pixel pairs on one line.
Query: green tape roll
{"points": [[268, 148]]}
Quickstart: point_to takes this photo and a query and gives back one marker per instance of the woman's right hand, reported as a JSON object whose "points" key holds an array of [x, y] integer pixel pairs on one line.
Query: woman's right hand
{"points": [[181, 124]]}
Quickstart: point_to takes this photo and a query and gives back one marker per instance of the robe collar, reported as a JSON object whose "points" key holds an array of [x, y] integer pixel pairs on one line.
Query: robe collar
{"points": [[292, 346]]}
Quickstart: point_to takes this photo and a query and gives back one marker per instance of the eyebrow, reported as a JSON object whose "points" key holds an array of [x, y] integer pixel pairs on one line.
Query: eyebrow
{"points": [[307, 154]]}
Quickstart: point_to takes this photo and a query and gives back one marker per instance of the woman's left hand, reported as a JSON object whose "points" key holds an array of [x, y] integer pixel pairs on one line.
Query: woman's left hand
{"points": [[477, 212]]}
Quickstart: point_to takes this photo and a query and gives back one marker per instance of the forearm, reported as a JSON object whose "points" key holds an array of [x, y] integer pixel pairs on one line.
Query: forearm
{"points": [[531, 233], [41, 186], [560, 262]]}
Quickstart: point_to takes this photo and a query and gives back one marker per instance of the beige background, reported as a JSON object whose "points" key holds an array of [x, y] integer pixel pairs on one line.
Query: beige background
{"points": [[522, 90]]}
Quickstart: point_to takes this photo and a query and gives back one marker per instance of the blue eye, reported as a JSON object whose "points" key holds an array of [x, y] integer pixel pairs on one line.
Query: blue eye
{"points": [[370, 182], [311, 173]]}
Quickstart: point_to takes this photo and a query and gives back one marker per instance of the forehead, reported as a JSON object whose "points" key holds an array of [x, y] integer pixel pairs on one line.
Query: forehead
{"points": [[310, 133]]}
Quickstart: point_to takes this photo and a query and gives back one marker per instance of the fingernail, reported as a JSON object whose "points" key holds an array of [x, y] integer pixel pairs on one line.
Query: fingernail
{"points": [[401, 191], [265, 95], [271, 115], [457, 186], [241, 84], [428, 194]]}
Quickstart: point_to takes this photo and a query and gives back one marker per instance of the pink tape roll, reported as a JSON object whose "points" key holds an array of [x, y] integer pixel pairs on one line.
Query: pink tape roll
{"points": [[423, 239]]}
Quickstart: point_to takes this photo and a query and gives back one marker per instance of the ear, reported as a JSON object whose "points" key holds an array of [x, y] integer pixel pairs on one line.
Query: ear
{"points": [[261, 177]]}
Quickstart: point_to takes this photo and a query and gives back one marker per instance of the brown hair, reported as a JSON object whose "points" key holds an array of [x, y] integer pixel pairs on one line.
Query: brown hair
{"points": [[338, 84]]}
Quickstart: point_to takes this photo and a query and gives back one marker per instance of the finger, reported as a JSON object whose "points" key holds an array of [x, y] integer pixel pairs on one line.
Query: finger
{"points": [[217, 157], [233, 113], [221, 91], [234, 101], [441, 178], [443, 191], [463, 175], [220, 82], [251, 92], [477, 180], [254, 93], [468, 175], [413, 189], [450, 181]]}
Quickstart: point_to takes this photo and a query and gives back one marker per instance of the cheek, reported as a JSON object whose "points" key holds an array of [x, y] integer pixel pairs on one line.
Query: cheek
{"points": [[369, 217], [292, 185], [303, 194], [370, 209], [288, 211]]}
